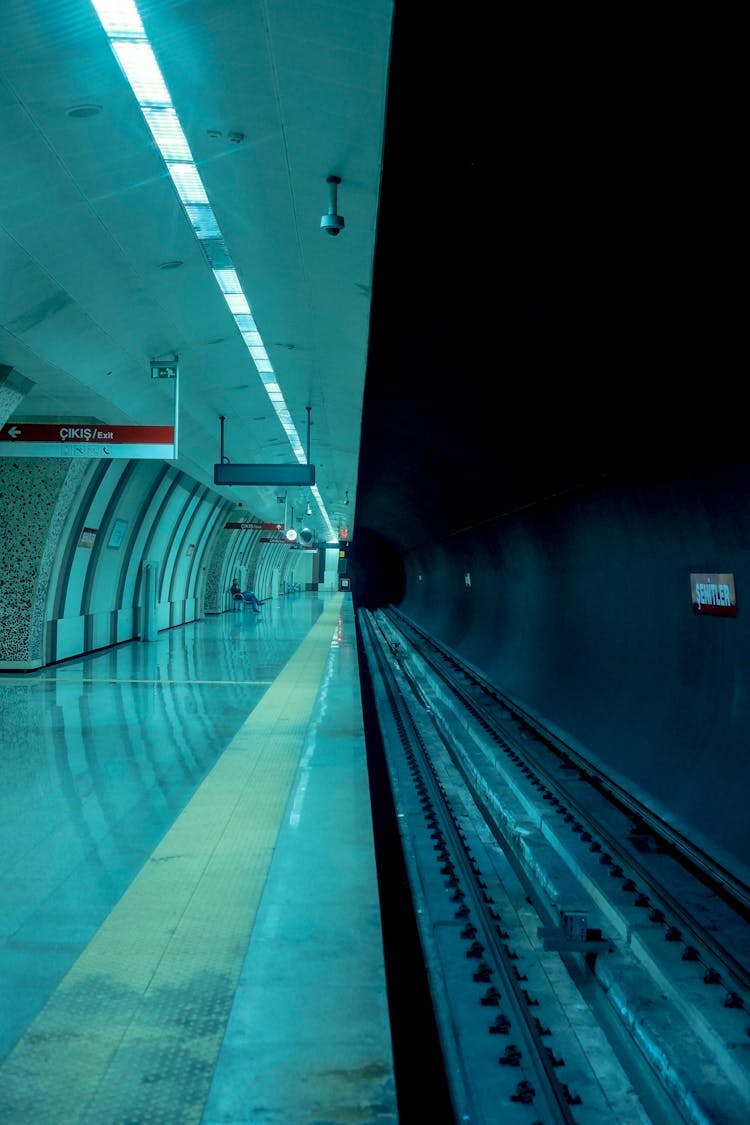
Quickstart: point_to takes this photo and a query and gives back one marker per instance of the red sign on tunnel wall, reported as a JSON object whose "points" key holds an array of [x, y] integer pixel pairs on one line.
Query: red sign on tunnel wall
{"points": [[82, 439], [713, 595]]}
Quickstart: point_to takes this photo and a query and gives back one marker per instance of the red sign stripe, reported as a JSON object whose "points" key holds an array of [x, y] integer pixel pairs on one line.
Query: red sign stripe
{"points": [[94, 434]]}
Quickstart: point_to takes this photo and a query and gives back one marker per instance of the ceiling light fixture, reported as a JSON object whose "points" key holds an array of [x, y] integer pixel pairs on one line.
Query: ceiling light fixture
{"points": [[123, 26]]}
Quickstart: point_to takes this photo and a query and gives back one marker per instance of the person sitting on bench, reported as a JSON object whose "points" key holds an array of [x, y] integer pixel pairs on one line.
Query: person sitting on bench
{"points": [[249, 596], [236, 591]]}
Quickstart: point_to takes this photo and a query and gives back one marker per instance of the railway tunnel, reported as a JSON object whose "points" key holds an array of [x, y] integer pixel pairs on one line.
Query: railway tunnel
{"points": [[516, 371]]}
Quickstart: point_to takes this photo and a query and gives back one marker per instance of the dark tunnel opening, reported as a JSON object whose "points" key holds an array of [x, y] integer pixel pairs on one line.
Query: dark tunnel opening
{"points": [[376, 570]]}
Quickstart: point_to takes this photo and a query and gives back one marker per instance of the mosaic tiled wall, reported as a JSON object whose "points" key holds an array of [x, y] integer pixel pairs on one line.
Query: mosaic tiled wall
{"points": [[36, 496], [215, 599]]}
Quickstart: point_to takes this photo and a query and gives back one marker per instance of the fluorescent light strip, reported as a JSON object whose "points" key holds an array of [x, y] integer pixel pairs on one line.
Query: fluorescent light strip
{"points": [[119, 18], [189, 185], [238, 305], [228, 281], [142, 71], [124, 29], [167, 132]]}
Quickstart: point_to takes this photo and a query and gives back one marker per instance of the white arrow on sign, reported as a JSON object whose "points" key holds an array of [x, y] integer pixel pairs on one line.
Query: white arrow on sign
{"points": [[14, 431]]}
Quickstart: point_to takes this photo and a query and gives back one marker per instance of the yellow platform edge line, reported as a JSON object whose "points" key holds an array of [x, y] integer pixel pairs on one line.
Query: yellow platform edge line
{"points": [[135, 1027]]}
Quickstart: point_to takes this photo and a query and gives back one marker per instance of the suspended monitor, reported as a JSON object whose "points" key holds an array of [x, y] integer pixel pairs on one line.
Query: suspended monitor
{"points": [[227, 473]]}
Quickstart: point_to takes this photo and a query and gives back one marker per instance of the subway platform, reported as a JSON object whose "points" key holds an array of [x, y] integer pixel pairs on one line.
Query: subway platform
{"points": [[190, 925]]}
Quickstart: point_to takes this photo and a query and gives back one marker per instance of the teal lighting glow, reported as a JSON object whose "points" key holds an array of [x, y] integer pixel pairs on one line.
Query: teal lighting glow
{"points": [[123, 26]]}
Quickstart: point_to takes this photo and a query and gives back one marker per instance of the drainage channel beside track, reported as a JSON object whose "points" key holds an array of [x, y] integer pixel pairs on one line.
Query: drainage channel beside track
{"points": [[533, 884]]}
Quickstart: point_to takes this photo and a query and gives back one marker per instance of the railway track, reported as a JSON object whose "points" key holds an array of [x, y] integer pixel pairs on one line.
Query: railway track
{"points": [[585, 965]]}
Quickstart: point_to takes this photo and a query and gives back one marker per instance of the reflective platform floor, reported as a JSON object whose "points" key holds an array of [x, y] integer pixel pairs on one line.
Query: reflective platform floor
{"points": [[189, 918]]}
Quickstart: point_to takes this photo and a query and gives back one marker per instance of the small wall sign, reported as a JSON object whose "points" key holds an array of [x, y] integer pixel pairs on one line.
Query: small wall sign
{"points": [[713, 595], [88, 537]]}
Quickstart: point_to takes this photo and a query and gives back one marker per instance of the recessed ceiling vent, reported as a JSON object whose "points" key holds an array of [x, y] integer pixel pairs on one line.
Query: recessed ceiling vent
{"points": [[84, 110]]}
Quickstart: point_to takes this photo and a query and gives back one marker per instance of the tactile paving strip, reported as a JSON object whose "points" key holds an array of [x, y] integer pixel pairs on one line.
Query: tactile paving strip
{"points": [[132, 1034]]}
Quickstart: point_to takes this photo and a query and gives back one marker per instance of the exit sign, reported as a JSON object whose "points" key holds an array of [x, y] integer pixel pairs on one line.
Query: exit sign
{"points": [[163, 370]]}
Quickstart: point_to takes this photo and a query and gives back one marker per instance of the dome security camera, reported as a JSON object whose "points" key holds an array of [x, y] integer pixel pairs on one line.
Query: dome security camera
{"points": [[332, 223]]}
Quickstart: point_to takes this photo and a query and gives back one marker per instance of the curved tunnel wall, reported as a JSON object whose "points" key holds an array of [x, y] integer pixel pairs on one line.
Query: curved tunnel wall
{"points": [[580, 609], [74, 539]]}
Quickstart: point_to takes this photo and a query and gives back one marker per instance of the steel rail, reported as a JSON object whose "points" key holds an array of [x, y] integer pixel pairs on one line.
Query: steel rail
{"points": [[720, 880], [409, 717], [611, 792]]}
